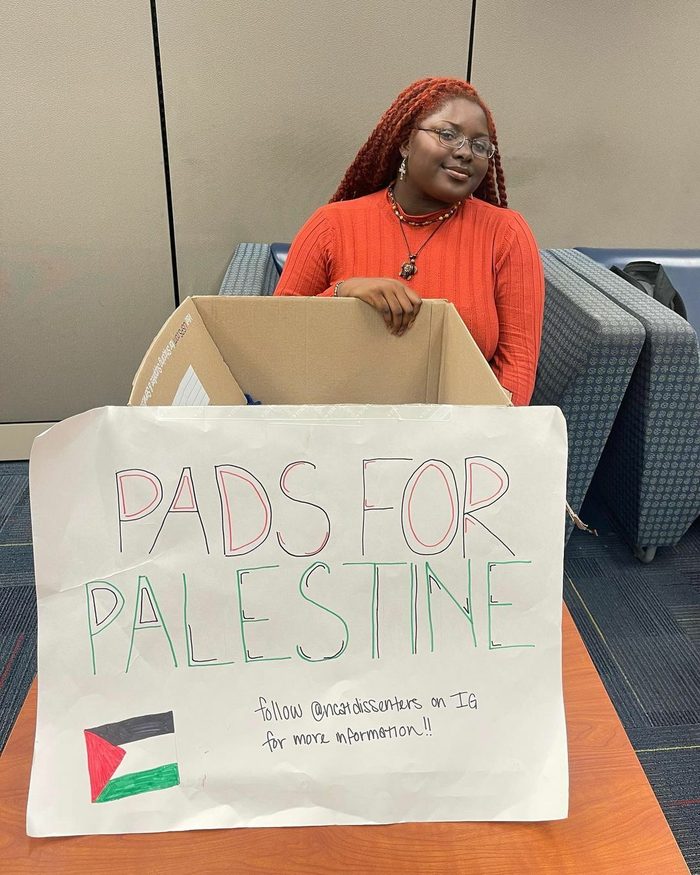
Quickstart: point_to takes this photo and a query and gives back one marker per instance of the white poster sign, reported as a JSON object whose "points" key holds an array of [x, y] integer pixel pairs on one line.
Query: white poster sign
{"points": [[298, 615]]}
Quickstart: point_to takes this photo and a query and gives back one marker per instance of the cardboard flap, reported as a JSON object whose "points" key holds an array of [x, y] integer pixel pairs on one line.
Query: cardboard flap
{"points": [[465, 375], [183, 366], [325, 351]]}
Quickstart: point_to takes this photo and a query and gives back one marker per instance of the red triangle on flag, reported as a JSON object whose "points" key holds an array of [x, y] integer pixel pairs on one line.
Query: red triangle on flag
{"points": [[103, 759]]}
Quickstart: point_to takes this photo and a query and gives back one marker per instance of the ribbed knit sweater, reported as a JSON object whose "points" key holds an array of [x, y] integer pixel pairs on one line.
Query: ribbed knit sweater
{"points": [[483, 259]]}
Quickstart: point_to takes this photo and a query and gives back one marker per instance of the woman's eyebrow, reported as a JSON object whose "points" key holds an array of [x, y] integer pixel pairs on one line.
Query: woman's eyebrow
{"points": [[458, 127]]}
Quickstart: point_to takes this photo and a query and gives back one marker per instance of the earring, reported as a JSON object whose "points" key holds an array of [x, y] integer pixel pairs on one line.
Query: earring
{"points": [[402, 169]]}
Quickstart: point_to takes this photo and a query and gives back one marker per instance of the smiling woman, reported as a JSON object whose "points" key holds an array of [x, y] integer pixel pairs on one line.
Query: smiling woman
{"points": [[422, 212]]}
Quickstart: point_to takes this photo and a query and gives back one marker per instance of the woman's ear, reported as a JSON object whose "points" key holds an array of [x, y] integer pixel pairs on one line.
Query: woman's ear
{"points": [[403, 149]]}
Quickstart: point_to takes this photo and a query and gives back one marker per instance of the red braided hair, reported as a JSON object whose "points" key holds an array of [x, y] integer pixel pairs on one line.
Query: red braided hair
{"points": [[377, 162]]}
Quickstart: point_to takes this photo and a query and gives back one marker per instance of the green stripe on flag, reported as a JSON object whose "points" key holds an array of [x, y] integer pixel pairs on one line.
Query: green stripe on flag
{"points": [[141, 782]]}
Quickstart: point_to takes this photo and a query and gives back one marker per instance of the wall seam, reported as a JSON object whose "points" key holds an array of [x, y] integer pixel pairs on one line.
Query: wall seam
{"points": [[470, 53], [166, 158]]}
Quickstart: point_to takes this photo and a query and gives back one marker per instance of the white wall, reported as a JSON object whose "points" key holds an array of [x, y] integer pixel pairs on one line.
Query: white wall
{"points": [[268, 102], [86, 277], [597, 110]]}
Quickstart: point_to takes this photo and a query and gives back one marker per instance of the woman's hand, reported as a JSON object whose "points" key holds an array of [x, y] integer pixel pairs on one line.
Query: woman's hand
{"points": [[398, 304]]}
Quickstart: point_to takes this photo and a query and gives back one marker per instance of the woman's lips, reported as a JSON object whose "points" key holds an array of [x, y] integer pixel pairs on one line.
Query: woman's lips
{"points": [[459, 175]]}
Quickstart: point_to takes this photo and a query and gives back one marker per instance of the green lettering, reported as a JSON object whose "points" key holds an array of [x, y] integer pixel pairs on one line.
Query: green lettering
{"points": [[304, 581], [142, 621]]}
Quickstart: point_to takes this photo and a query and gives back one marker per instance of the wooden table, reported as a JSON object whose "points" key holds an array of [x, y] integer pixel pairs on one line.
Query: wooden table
{"points": [[615, 823]]}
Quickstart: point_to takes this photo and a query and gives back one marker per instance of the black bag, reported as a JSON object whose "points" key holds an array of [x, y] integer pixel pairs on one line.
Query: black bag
{"points": [[650, 278]]}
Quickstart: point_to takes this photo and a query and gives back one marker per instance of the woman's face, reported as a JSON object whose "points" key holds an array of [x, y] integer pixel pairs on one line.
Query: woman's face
{"points": [[436, 175]]}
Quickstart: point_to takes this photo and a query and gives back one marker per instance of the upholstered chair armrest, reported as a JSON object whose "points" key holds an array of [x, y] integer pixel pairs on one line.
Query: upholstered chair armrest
{"points": [[251, 271], [651, 465], [589, 350]]}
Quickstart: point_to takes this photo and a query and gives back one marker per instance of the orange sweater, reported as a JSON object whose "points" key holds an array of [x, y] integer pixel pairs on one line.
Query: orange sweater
{"points": [[484, 260]]}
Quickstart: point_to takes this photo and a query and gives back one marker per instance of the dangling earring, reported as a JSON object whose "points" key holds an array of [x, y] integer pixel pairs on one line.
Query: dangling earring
{"points": [[402, 169]]}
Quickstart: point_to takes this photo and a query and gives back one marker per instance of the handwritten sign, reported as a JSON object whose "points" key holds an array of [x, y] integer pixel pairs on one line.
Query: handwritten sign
{"points": [[298, 616]]}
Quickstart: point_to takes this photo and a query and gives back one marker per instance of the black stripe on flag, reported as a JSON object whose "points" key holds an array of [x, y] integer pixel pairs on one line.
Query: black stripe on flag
{"points": [[136, 728]]}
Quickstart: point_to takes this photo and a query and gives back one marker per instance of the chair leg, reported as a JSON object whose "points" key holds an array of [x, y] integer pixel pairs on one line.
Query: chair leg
{"points": [[644, 554]]}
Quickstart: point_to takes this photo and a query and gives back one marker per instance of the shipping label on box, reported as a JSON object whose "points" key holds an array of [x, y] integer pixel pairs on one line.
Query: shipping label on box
{"points": [[183, 366], [265, 616]]}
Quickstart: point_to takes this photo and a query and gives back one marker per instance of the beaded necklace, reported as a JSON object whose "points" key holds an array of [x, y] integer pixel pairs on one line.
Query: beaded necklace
{"points": [[416, 224], [408, 268]]}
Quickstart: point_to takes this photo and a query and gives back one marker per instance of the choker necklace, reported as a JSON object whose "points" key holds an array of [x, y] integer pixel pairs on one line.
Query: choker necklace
{"points": [[402, 218], [408, 268]]}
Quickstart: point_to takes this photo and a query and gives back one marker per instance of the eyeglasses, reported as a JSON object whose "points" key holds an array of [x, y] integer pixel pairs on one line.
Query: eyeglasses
{"points": [[481, 147]]}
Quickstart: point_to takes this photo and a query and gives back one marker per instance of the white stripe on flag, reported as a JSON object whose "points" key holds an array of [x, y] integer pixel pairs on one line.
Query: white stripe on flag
{"points": [[148, 753]]}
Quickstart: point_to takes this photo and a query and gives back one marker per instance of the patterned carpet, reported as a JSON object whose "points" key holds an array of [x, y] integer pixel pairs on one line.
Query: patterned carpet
{"points": [[17, 598], [641, 624]]}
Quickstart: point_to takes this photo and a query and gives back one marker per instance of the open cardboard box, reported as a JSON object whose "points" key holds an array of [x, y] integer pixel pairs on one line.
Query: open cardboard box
{"points": [[288, 350]]}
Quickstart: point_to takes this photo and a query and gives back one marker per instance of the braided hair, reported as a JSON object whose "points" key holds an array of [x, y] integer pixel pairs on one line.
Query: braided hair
{"points": [[377, 162]]}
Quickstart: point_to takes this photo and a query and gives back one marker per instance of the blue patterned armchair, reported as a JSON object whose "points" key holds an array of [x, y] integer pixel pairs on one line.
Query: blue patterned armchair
{"points": [[650, 471], [589, 350]]}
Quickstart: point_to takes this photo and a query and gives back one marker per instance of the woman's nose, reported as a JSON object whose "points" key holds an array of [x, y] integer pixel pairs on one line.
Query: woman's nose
{"points": [[464, 151]]}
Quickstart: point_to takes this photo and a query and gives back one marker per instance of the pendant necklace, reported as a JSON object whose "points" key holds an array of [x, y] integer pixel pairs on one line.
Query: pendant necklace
{"points": [[408, 268]]}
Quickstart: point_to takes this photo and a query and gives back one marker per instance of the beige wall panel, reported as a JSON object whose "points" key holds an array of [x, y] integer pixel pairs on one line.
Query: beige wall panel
{"points": [[267, 103], [86, 276], [597, 111]]}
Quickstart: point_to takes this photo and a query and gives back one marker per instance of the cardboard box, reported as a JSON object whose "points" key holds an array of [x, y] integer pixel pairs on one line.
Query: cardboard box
{"points": [[288, 350]]}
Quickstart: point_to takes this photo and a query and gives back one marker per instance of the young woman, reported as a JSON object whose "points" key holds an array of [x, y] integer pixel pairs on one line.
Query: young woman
{"points": [[422, 213]]}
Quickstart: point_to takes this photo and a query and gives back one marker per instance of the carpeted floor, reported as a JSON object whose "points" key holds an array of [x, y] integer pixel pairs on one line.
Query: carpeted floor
{"points": [[641, 624], [17, 597]]}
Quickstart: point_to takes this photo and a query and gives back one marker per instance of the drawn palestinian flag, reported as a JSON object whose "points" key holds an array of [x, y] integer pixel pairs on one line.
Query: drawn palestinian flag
{"points": [[136, 767]]}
